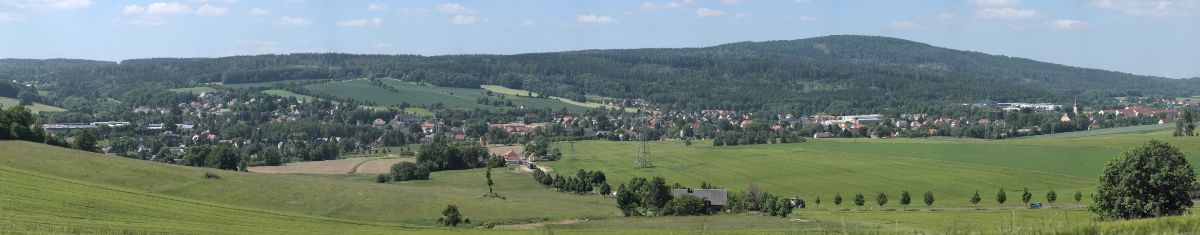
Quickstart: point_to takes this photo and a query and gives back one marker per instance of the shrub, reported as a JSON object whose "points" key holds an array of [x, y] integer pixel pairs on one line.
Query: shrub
{"points": [[450, 216], [406, 171], [382, 178], [687, 205], [210, 175]]}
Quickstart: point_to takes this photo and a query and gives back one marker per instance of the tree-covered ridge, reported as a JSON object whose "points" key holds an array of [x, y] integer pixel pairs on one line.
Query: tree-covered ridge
{"points": [[834, 74]]}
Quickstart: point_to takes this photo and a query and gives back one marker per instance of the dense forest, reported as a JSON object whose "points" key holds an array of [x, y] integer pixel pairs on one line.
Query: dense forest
{"points": [[833, 74]]}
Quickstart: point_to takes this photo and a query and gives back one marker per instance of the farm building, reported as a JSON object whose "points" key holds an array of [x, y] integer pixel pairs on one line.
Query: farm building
{"points": [[715, 197], [511, 157]]}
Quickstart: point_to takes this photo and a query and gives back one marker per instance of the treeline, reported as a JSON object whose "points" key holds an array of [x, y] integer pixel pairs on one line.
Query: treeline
{"points": [[441, 154], [18, 123], [584, 182]]}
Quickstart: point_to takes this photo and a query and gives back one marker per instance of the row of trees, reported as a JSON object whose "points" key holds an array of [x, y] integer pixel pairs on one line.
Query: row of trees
{"points": [[584, 182], [755, 200], [745, 137]]}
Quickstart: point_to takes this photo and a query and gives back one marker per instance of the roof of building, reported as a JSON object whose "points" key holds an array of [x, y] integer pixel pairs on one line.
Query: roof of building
{"points": [[716, 197]]}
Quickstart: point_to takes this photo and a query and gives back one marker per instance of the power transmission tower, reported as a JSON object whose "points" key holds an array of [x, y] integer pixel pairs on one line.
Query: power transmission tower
{"points": [[571, 150], [643, 158]]}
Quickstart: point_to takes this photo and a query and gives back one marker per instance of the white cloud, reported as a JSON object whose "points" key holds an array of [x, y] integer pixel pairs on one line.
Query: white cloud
{"points": [[163, 8], [904, 24], [707, 12], [455, 8], [133, 9], [595, 20], [462, 20], [361, 22], [216, 1], [376, 7], [10, 17], [1067, 24], [260, 11], [413, 11], [382, 45], [732, 1], [528, 24], [210, 10], [1149, 8], [1005, 13], [741, 16], [292, 21], [650, 6], [145, 20], [994, 3]]}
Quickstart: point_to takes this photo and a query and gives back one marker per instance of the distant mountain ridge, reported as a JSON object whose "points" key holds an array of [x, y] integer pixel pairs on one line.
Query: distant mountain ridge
{"points": [[840, 73]]}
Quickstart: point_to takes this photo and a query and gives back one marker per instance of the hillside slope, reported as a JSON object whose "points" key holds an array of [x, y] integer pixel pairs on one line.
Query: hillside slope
{"points": [[418, 203], [844, 73]]}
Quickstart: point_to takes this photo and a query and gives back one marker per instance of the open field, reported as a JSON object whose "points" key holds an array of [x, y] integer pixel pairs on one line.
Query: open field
{"points": [[266, 84], [951, 168], [1105, 131], [339, 166], [500, 149], [195, 90], [286, 93], [518, 92], [417, 203], [379, 166], [35, 108], [361, 89], [39, 203]]}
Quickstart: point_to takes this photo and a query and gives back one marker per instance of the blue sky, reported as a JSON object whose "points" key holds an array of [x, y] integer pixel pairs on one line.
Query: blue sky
{"points": [[1156, 37]]}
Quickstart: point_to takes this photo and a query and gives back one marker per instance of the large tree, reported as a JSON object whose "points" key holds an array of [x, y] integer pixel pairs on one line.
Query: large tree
{"points": [[1149, 181]]}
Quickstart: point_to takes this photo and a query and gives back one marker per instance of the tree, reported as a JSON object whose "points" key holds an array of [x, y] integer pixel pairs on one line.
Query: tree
{"points": [[1051, 197], [626, 200], [837, 199], [86, 141], [928, 198], [605, 190], [1078, 197], [686, 205], [975, 198], [660, 193], [1001, 198], [489, 181], [382, 178], [817, 201], [1026, 196], [1149, 181], [859, 200], [406, 171], [881, 199], [905, 199], [451, 216]]}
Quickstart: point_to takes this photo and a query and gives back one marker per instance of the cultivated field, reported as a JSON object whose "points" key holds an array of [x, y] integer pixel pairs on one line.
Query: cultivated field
{"points": [[35, 108], [340, 166], [518, 92], [379, 166], [195, 90], [500, 149]]}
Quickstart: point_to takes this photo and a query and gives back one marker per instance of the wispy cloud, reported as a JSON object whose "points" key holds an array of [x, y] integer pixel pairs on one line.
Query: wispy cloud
{"points": [[210, 10], [1005, 13], [292, 21], [361, 22], [260, 11], [1067, 24], [455, 8], [462, 20], [708, 12]]}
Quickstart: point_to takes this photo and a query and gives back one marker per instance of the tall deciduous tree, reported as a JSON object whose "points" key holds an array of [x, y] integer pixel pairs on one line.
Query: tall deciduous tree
{"points": [[928, 198], [1001, 197], [1051, 197], [905, 199], [1149, 181], [975, 199]]}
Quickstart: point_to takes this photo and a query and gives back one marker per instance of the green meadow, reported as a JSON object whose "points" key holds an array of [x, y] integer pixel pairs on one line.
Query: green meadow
{"points": [[420, 94], [35, 108], [48, 189]]}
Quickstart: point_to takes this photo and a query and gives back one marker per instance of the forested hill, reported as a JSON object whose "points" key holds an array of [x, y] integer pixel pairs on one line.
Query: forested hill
{"points": [[836, 74]]}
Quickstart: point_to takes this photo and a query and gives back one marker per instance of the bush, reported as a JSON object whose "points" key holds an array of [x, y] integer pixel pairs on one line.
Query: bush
{"points": [[210, 175], [687, 205], [1149, 181], [406, 171], [382, 178], [450, 216]]}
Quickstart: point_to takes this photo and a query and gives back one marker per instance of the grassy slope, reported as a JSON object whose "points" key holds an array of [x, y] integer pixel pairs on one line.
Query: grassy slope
{"points": [[36, 107], [409, 202], [34, 202], [818, 168], [195, 90]]}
